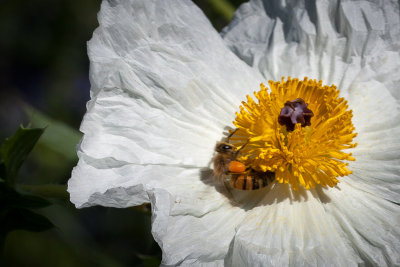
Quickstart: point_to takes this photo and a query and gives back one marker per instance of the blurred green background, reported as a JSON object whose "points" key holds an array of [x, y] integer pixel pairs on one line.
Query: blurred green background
{"points": [[44, 83]]}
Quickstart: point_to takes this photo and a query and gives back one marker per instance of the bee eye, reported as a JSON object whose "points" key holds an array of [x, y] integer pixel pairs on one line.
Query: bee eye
{"points": [[226, 147]]}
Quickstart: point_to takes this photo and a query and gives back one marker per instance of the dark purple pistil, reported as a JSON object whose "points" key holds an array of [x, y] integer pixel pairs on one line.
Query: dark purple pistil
{"points": [[293, 112]]}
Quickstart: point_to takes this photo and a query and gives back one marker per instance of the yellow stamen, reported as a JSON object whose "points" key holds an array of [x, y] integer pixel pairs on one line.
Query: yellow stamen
{"points": [[308, 155]]}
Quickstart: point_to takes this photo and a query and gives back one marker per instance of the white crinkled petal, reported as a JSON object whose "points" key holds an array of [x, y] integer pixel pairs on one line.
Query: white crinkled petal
{"points": [[187, 233], [337, 227], [160, 75], [291, 229], [334, 41], [370, 223], [377, 119]]}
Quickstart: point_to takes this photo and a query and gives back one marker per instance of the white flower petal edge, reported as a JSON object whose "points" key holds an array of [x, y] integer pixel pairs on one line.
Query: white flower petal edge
{"points": [[162, 93], [355, 45]]}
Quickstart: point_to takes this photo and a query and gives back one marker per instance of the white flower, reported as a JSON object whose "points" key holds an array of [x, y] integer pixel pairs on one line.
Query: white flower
{"points": [[165, 85]]}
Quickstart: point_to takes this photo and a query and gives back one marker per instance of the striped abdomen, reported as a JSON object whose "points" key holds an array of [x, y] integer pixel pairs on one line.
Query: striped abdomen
{"points": [[251, 180]]}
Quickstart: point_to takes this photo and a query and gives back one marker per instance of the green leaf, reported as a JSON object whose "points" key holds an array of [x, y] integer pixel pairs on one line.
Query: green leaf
{"points": [[47, 190], [11, 198], [24, 219], [31, 202], [14, 213], [59, 137], [15, 150], [223, 7]]}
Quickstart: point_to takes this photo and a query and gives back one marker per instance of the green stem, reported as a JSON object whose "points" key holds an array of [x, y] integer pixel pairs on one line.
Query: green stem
{"points": [[223, 7], [49, 190]]}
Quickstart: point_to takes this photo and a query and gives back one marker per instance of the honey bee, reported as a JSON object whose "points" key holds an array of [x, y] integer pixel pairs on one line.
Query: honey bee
{"points": [[241, 177]]}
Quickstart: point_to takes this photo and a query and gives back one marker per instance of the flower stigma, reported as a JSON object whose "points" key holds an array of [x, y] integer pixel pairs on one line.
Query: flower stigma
{"points": [[298, 131]]}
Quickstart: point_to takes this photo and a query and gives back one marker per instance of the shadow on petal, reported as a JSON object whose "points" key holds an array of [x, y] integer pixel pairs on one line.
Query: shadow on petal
{"points": [[207, 177], [272, 194]]}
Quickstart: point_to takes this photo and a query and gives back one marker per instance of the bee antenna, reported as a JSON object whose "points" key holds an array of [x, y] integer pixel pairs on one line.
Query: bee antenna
{"points": [[232, 133], [237, 152]]}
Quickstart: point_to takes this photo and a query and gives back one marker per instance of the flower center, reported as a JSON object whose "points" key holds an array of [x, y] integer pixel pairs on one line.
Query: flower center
{"points": [[294, 112], [297, 130]]}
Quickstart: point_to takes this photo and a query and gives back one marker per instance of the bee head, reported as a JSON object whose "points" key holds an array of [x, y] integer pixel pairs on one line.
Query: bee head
{"points": [[224, 147]]}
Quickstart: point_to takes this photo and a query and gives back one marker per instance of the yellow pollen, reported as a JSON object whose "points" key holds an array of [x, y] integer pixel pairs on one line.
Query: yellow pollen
{"points": [[310, 155]]}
